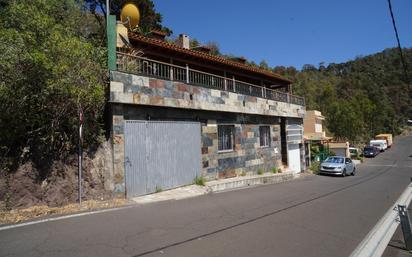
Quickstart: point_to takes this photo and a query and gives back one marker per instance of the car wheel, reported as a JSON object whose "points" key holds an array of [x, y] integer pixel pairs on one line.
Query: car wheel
{"points": [[353, 172], [344, 173]]}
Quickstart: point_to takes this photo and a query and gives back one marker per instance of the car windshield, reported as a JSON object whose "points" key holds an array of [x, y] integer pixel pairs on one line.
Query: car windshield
{"points": [[368, 148], [334, 160]]}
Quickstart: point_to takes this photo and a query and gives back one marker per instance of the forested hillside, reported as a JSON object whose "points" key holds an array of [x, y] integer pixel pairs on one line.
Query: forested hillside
{"points": [[359, 98]]}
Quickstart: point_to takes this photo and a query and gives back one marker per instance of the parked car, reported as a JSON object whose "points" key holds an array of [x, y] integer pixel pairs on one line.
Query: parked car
{"points": [[354, 152], [380, 144], [337, 165], [370, 151]]}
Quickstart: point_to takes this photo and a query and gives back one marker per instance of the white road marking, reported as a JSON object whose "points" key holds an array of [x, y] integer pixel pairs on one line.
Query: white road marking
{"points": [[387, 165], [63, 217]]}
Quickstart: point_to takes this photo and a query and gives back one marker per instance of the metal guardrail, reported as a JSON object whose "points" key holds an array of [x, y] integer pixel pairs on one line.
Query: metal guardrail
{"points": [[144, 66], [375, 243]]}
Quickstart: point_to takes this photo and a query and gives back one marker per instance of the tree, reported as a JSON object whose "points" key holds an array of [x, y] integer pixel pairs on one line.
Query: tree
{"points": [[49, 69], [214, 47], [149, 18], [264, 65]]}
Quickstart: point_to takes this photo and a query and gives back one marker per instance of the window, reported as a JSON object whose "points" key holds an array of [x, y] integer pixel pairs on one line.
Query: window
{"points": [[225, 137], [264, 132]]}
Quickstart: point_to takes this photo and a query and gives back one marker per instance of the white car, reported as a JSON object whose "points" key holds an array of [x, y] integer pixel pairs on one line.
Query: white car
{"points": [[380, 144], [337, 165]]}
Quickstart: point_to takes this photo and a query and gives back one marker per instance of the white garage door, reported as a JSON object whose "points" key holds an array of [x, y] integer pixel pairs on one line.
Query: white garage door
{"points": [[294, 158]]}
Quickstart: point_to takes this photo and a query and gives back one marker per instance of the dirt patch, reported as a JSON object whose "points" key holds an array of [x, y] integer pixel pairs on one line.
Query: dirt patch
{"points": [[57, 184], [24, 214]]}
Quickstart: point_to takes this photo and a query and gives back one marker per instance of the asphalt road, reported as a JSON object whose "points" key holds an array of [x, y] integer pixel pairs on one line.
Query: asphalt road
{"points": [[311, 216]]}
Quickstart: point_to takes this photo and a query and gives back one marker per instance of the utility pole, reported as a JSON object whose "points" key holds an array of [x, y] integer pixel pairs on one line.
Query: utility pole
{"points": [[80, 161]]}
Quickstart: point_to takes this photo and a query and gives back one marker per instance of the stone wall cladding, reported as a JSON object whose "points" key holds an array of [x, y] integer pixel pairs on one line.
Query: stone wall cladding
{"points": [[133, 89], [118, 148], [247, 157], [132, 95]]}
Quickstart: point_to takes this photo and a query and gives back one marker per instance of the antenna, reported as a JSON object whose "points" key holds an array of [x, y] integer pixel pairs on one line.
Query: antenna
{"points": [[130, 15]]}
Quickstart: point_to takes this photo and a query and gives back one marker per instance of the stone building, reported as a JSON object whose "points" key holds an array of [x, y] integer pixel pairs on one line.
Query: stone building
{"points": [[180, 113]]}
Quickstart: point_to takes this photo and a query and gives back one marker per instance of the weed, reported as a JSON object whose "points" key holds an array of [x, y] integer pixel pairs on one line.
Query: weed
{"points": [[314, 167], [200, 181], [275, 170], [158, 189], [260, 171]]}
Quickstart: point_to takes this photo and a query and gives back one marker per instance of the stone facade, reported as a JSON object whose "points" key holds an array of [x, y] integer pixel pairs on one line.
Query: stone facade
{"points": [[141, 98], [247, 156], [132, 89]]}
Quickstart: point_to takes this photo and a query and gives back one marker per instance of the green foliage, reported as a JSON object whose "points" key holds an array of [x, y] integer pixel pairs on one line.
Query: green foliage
{"points": [[158, 189], [275, 170], [49, 68], [359, 98], [243, 173], [314, 167], [149, 18], [260, 171], [200, 181]]}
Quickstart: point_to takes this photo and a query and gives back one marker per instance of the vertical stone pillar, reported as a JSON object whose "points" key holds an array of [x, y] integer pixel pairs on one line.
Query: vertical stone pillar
{"points": [[118, 149]]}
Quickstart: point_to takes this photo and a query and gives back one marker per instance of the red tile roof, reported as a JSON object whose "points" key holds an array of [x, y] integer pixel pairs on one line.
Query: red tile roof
{"points": [[133, 37]]}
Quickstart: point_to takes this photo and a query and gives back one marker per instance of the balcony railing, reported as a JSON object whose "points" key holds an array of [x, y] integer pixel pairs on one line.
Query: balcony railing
{"points": [[143, 66]]}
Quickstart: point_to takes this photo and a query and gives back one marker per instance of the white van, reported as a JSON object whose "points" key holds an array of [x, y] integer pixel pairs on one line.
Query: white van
{"points": [[380, 144]]}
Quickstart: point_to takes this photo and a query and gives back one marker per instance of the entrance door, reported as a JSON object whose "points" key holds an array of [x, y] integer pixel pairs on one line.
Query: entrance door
{"points": [[294, 158], [160, 155]]}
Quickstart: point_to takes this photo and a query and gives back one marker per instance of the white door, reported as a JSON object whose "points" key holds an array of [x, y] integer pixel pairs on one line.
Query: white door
{"points": [[294, 158]]}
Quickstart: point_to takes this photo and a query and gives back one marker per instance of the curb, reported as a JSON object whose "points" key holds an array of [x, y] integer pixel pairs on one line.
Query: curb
{"points": [[242, 182]]}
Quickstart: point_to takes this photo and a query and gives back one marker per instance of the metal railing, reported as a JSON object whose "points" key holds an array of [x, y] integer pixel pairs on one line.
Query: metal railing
{"points": [[144, 66]]}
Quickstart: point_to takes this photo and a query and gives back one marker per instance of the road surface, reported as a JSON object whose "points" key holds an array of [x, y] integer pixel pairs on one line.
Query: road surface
{"points": [[311, 216]]}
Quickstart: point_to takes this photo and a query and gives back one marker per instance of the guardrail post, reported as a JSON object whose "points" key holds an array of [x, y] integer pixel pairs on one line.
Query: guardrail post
{"points": [[187, 74], [171, 73], [234, 84], [406, 226]]}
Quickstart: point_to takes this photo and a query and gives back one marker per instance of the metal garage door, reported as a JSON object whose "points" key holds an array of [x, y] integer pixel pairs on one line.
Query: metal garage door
{"points": [[160, 155]]}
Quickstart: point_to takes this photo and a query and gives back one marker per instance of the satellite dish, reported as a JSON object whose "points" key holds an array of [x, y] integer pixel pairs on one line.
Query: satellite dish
{"points": [[130, 15]]}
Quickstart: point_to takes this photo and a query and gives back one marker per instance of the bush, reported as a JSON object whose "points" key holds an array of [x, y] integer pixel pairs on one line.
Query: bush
{"points": [[243, 173], [314, 167], [260, 171], [275, 170], [200, 181]]}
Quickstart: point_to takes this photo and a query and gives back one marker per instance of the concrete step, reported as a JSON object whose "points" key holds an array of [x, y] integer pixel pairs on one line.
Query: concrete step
{"points": [[238, 182], [215, 186]]}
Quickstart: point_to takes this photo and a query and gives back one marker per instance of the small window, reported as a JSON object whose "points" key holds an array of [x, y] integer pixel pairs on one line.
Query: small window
{"points": [[226, 137], [264, 132]]}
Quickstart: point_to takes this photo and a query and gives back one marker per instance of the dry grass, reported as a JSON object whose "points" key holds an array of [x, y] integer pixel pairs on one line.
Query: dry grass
{"points": [[20, 215]]}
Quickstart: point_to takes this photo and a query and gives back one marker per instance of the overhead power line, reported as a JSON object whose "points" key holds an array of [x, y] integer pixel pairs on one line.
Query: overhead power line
{"points": [[399, 43]]}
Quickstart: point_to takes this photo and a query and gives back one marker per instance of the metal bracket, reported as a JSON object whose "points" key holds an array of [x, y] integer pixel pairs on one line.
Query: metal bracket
{"points": [[406, 226]]}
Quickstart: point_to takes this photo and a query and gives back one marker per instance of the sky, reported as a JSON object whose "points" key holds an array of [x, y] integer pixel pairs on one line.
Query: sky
{"points": [[291, 32]]}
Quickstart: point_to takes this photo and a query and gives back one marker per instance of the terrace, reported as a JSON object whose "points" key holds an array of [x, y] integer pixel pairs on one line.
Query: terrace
{"points": [[143, 66]]}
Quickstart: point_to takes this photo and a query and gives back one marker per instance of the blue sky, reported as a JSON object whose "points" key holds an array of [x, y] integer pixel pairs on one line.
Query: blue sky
{"points": [[291, 32]]}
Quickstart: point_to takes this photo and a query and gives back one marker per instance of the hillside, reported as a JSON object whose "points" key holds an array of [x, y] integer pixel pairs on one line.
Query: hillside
{"points": [[359, 98]]}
